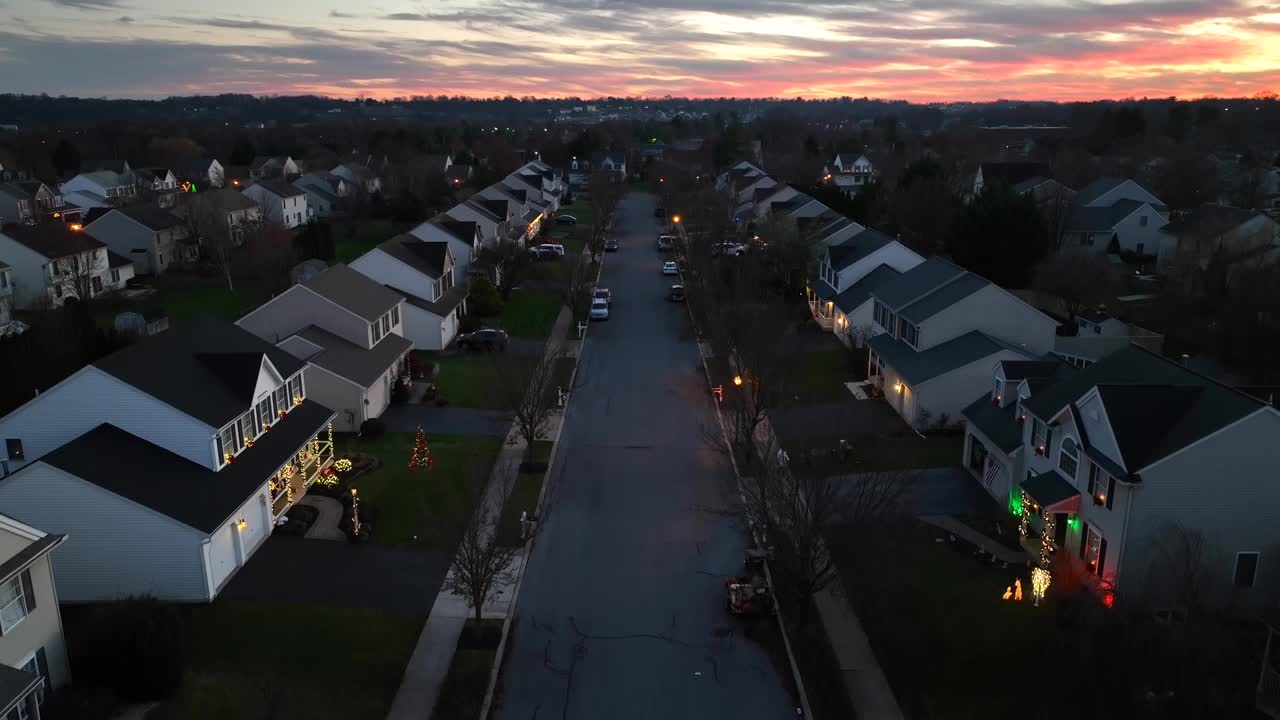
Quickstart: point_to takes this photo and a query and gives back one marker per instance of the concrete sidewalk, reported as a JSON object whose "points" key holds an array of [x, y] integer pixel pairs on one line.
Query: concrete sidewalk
{"points": [[432, 656], [864, 681]]}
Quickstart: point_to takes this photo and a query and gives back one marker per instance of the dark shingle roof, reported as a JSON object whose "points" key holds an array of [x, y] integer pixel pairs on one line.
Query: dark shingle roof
{"points": [[1049, 488], [1209, 221], [352, 290], [204, 368], [917, 282], [1156, 406], [920, 366], [1011, 173], [1021, 369], [279, 188], [425, 257], [860, 292], [174, 486], [346, 359], [115, 259], [440, 308], [26, 556], [14, 686], [857, 247], [944, 297], [52, 240], [997, 423], [1098, 188], [152, 217], [1101, 219], [464, 230], [223, 199]]}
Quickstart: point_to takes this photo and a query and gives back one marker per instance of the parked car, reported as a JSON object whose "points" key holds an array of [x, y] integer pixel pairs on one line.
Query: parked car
{"points": [[135, 283], [599, 309], [483, 339], [603, 294], [730, 249], [676, 294], [669, 268], [549, 249], [665, 242], [610, 245], [566, 220]]}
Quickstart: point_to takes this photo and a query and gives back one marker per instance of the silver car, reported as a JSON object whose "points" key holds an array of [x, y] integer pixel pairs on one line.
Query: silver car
{"points": [[599, 309]]}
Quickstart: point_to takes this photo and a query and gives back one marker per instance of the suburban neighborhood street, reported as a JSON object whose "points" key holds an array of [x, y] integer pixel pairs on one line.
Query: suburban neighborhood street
{"points": [[622, 612]]}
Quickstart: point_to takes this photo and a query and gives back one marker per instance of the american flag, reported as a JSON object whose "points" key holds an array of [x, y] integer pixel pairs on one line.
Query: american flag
{"points": [[989, 476]]}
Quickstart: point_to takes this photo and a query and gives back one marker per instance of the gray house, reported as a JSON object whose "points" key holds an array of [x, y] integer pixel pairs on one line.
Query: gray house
{"points": [[152, 237]]}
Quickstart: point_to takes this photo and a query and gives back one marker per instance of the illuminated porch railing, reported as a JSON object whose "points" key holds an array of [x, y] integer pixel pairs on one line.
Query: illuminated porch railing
{"points": [[291, 481]]}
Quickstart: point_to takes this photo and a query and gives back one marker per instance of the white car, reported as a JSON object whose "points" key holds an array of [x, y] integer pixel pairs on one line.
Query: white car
{"points": [[599, 309], [669, 268], [603, 294], [549, 249]]}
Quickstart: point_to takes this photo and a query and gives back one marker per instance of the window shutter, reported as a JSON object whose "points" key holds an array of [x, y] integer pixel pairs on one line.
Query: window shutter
{"points": [[1048, 440], [28, 591], [1084, 539], [1102, 554], [1111, 491], [42, 664]]}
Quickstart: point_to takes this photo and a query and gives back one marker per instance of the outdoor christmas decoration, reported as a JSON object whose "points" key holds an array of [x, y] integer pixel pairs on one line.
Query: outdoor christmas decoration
{"points": [[421, 457], [342, 465], [1040, 580]]}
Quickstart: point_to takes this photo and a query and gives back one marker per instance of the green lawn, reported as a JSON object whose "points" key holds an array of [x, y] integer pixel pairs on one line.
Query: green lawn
{"points": [[574, 237], [351, 239], [187, 297], [462, 692], [908, 452], [530, 313], [819, 376], [468, 379], [523, 497], [432, 506], [948, 644], [243, 658]]}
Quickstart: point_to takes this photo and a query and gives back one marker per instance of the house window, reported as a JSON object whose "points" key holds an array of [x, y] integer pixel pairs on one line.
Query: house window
{"points": [[1141, 246], [1142, 222], [1101, 486], [115, 277], [282, 400], [13, 604], [1068, 458], [1095, 551], [395, 316], [13, 449], [265, 413], [34, 666], [376, 330], [96, 285], [295, 386], [248, 428], [977, 455], [908, 332], [1246, 569], [4, 280], [1039, 436]]}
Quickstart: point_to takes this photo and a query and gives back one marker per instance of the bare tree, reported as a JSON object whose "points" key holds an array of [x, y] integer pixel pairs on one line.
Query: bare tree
{"points": [[482, 566], [528, 390], [580, 290], [1079, 278], [204, 221], [605, 191], [81, 273], [270, 256]]}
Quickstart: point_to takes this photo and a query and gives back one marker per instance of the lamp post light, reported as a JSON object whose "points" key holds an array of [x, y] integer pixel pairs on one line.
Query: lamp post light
{"points": [[737, 380]]}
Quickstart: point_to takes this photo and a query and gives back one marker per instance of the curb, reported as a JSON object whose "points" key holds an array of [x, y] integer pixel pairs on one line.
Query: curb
{"points": [[500, 654], [737, 475]]}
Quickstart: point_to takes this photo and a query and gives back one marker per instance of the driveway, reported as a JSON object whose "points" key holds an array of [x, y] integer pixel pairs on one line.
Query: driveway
{"points": [[940, 491], [822, 426], [622, 610], [447, 420], [293, 570]]}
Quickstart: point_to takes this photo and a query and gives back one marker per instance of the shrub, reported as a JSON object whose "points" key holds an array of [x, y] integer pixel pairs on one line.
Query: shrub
{"points": [[372, 428], [470, 323], [484, 299], [134, 648], [80, 703]]}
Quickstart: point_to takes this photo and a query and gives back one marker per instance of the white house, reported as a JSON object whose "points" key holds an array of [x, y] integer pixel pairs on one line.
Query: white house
{"points": [[166, 463], [321, 200], [492, 217], [849, 173], [1099, 335], [938, 330], [464, 240], [840, 297], [31, 201], [1134, 459], [360, 176], [280, 167], [157, 184], [280, 202], [101, 188], [1114, 214], [33, 652], [611, 162], [524, 215], [1233, 236], [348, 328], [51, 262], [423, 273], [223, 210], [205, 174], [8, 326], [151, 237]]}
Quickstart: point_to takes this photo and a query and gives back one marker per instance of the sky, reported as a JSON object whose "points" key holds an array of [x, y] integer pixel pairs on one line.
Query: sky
{"points": [[918, 50]]}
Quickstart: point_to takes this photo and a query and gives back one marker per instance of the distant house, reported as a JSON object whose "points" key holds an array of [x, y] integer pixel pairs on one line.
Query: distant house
{"points": [[196, 441], [280, 202], [492, 217], [33, 652], [101, 188], [1099, 335], [224, 210], [849, 173], [438, 164], [1114, 215], [359, 176], [349, 329], [458, 175], [31, 201], [1233, 237], [938, 331], [840, 297], [464, 238], [6, 302], [151, 237], [611, 162], [158, 184], [280, 167], [1012, 175], [51, 263], [423, 274], [579, 173], [321, 200], [205, 174]]}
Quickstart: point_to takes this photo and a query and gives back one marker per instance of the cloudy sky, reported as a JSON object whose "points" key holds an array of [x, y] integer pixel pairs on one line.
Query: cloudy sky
{"points": [[911, 49]]}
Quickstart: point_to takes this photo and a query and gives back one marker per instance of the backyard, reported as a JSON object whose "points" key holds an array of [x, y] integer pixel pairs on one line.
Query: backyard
{"points": [[353, 238], [528, 313], [249, 660], [468, 379], [422, 506], [819, 375]]}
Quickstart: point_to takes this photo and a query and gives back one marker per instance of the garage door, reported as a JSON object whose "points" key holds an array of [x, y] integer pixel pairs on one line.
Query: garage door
{"points": [[222, 554], [253, 532]]}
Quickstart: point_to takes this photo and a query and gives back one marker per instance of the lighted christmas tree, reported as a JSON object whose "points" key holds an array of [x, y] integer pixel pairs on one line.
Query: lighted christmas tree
{"points": [[421, 457]]}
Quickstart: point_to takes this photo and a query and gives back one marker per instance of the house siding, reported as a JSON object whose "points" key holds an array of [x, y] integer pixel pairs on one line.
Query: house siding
{"points": [[91, 397], [488, 228], [27, 272], [114, 548], [950, 393], [996, 313], [386, 270], [1131, 233], [297, 308], [42, 628], [334, 392], [461, 251], [128, 238], [426, 330], [895, 255]]}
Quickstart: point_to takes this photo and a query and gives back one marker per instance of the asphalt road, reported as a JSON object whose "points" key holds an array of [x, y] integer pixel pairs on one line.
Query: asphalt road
{"points": [[622, 614]]}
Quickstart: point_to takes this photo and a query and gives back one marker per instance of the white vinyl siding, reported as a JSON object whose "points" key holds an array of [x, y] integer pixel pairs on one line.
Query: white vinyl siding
{"points": [[386, 270], [298, 307], [996, 313], [337, 393], [42, 627], [428, 331]]}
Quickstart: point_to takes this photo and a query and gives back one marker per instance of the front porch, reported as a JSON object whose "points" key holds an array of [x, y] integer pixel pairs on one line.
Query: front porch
{"points": [[821, 299], [304, 469]]}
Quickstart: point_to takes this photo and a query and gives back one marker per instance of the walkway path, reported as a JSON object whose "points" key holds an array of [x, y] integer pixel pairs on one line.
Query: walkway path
{"points": [[325, 526], [973, 537], [433, 654]]}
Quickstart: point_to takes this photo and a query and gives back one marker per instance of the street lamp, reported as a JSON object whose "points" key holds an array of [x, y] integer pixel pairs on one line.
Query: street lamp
{"points": [[737, 380], [675, 219]]}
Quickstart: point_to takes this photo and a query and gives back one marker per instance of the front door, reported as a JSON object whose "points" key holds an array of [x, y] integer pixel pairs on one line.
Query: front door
{"points": [[1059, 529]]}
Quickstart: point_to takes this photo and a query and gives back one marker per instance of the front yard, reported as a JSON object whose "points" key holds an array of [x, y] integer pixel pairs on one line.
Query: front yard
{"points": [[463, 690], [469, 379], [422, 507], [264, 661], [819, 375], [528, 313]]}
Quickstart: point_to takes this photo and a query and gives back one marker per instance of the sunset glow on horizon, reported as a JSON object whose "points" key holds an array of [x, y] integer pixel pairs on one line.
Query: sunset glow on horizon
{"points": [[918, 50]]}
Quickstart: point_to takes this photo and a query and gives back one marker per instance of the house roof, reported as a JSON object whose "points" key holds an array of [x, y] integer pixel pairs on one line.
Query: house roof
{"points": [[155, 173], [440, 308], [848, 158], [360, 171], [26, 556], [224, 200], [104, 178], [115, 259], [260, 160], [857, 247], [921, 366], [1012, 173], [155, 218], [1048, 488], [1096, 189], [425, 257], [496, 209], [354, 291], [1093, 316], [1088, 218], [997, 423], [53, 239], [174, 486], [14, 686], [464, 230], [1029, 184], [21, 189], [1209, 221], [317, 188], [1156, 406], [917, 282], [944, 297], [279, 188], [860, 292], [1023, 369], [207, 369], [343, 358]]}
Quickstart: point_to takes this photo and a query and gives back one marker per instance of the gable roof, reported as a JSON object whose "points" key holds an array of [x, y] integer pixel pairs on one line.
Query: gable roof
{"points": [[944, 297], [174, 486], [917, 282], [857, 247], [921, 366], [1011, 173], [354, 291], [1103, 185], [425, 257], [362, 366], [261, 160], [52, 239], [223, 199], [205, 368], [998, 423], [279, 188], [1023, 369], [1155, 405], [1100, 219], [1209, 221], [860, 292], [150, 216], [464, 230]]}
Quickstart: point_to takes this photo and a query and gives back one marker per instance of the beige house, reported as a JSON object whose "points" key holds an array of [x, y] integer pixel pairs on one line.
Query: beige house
{"points": [[33, 654]]}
